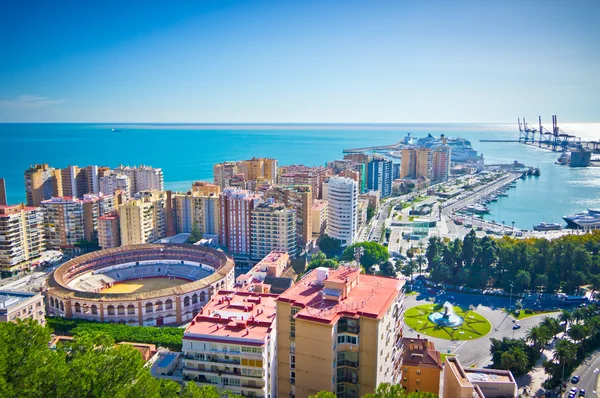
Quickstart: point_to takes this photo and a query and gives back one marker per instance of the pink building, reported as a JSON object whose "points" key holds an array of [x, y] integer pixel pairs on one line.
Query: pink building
{"points": [[235, 212]]}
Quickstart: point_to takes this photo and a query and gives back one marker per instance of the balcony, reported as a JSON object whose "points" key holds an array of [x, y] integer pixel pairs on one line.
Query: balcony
{"points": [[344, 328], [349, 363]]}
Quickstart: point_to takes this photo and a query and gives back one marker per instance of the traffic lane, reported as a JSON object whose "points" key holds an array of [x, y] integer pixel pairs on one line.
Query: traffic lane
{"points": [[588, 373]]}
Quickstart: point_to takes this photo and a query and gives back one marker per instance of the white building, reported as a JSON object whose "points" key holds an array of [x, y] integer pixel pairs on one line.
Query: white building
{"points": [[342, 214], [22, 305], [231, 344], [113, 181], [143, 178]]}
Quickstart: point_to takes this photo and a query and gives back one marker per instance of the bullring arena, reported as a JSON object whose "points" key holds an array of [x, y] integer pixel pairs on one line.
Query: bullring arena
{"points": [[149, 285]]}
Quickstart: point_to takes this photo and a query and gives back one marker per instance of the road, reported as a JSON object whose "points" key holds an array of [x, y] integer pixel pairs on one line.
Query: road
{"points": [[588, 371]]}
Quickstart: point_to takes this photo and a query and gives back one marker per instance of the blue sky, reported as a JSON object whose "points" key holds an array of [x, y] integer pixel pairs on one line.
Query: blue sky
{"points": [[299, 61]]}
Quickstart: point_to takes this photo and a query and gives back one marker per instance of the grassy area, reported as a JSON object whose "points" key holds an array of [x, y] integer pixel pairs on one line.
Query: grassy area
{"points": [[443, 357], [523, 314], [474, 326], [412, 293]]}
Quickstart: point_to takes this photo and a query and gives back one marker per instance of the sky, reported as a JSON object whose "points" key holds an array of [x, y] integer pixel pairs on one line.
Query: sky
{"points": [[303, 61]]}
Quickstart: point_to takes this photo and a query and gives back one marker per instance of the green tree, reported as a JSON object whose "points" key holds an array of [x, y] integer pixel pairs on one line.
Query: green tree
{"points": [[565, 350], [320, 260], [195, 235], [370, 213], [523, 280], [374, 253], [330, 246], [578, 333], [386, 390], [323, 394], [538, 336]]}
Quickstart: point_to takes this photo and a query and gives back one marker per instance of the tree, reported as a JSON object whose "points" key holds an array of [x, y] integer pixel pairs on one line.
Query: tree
{"points": [[330, 246], [551, 324], [539, 336], [195, 235], [578, 333], [566, 317], [320, 260], [323, 394], [523, 280], [385, 390], [409, 269], [374, 253], [565, 350], [515, 360], [370, 213]]}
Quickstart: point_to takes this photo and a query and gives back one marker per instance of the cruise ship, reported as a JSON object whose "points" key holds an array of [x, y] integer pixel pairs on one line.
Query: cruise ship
{"points": [[587, 219], [547, 227]]}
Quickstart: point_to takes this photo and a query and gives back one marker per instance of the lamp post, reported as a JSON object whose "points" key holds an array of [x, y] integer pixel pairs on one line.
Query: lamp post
{"points": [[510, 297]]}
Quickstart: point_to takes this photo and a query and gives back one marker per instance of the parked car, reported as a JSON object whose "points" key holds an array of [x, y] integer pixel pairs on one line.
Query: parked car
{"points": [[516, 326], [582, 393]]}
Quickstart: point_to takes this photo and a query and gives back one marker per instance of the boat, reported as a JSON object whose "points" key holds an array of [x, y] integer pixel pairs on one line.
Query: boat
{"points": [[501, 194], [536, 172], [479, 209], [116, 130], [547, 227], [586, 220], [564, 159], [493, 198]]}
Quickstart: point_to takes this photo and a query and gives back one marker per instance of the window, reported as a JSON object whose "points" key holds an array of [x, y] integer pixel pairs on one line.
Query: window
{"points": [[195, 299], [169, 304], [121, 310], [256, 363], [418, 382], [110, 310], [202, 296], [130, 309], [94, 309], [149, 308], [292, 377], [186, 301], [77, 307], [418, 371], [159, 306], [346, 339]]}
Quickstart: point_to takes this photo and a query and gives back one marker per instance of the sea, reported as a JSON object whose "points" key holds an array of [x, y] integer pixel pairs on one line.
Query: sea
{"points": [[187, 152]]}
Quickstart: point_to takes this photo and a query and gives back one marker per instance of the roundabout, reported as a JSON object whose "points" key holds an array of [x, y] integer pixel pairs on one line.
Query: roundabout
{"points": [[447, 322]]}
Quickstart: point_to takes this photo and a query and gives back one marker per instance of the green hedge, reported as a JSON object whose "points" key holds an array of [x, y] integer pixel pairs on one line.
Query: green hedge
{"points": [[169, 337]]}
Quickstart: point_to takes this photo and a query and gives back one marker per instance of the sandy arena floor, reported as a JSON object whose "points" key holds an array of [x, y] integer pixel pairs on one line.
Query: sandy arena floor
{"points": [[144, 285]]}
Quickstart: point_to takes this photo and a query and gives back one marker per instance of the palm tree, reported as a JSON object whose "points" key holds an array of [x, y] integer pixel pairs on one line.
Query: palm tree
{"points": [[578, 333], [566, 317], [565, 350], [551, 324], [420, 262], [538, 336]]}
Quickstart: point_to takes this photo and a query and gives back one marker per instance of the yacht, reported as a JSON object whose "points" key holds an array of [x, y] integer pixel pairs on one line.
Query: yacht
{"points": [[587, 219], [547, 227]]}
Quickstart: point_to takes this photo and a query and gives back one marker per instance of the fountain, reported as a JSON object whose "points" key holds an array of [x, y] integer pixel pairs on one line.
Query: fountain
{"points": [[446, 317]]}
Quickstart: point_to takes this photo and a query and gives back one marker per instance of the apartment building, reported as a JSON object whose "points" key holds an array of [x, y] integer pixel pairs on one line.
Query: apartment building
{"points": [[235, 213], [351, 169], [298, 198], [21, 306], [42, 182], [421, 366], [142, 178], [342, 209], [3, 201], [111, 182], [304, 175], [109, 231], [223, 173], [259, 168], [441, 162], [231, 344], [380, 176], [143, 219], [200, 208], [319, 217], [373, 197], [273, 227], [424, 163], [462, 382], [408, 163], [205, 188], [340, 331], [21, 236], [68, 220]]}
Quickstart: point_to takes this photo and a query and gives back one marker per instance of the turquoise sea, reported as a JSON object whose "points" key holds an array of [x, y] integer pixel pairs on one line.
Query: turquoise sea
{"points": [[187, 153]]}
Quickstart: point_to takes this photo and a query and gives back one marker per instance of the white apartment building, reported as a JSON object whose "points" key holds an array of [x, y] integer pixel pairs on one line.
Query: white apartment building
{"points": [[143, 178], [21, 235], [112, 181], [231, 344], [143, 220], [22, 305], [273, 228], [342, 214]]}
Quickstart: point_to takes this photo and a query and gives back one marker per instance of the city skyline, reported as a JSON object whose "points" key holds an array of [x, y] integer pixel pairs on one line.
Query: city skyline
{"points": [[264, 62]]}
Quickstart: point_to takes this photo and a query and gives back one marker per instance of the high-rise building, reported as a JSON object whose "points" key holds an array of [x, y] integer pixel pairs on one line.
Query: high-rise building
{"points": [[342, 202], [112, 181], [338, 330], [319, 217], [351, 169], [109, 232], [143, 178], [205, 188], [3, 201], [41, 183], [91, 174], [304, 175], [69, 177], [21, 236], [273, 228], [408, 165], [424, 163], [224, 172], [144, 219], [235, 215], [421, 366], [257, 168], [298, 198], [380, 176], [232, 343], [441, 163], [69, 220], [201, 209]]}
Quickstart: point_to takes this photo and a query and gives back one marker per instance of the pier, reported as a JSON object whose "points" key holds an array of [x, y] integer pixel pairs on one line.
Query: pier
{"points": [[397, 145], [555, 140]]}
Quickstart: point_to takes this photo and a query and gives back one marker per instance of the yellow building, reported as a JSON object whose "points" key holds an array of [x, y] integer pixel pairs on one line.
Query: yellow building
{"points": [[143, 220], [480, 383], [199, 207], [319, 217], [421, 366], [42, 182], [340, 331], [424, 164], [299, 198], [206, 188]]}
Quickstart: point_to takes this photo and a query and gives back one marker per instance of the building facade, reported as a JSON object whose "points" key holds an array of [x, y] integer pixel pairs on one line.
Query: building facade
{"points": [[298, 198], [200, 208], [340, 331], [112, 182], [235, 213], [319, 218], [144, 219], [21, 236], [441, 163], [380, 176], [481, 383], [143, 178], [421, 366], [304, 175], [41, 183], [109, 230], [273, 228], [231, 344], [424, 163], [21, 306], [342, 209]]}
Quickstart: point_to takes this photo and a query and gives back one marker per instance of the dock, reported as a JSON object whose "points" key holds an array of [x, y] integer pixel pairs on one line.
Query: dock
{"points": [[397, 145]]}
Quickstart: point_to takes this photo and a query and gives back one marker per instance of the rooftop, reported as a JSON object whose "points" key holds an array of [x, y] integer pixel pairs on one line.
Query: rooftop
{"points": [[419, 352], [319, 204], [231, 315], [10, 298], [355, 294]]}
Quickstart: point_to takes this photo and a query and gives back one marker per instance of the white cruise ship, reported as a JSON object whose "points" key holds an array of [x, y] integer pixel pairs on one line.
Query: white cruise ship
{"points": [[587, 219]]}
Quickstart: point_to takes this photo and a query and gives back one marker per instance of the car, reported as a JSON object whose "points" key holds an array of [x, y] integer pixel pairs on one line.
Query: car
{"points": [[516, 326], [572, 392], [575, 379], [582, 393]]}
